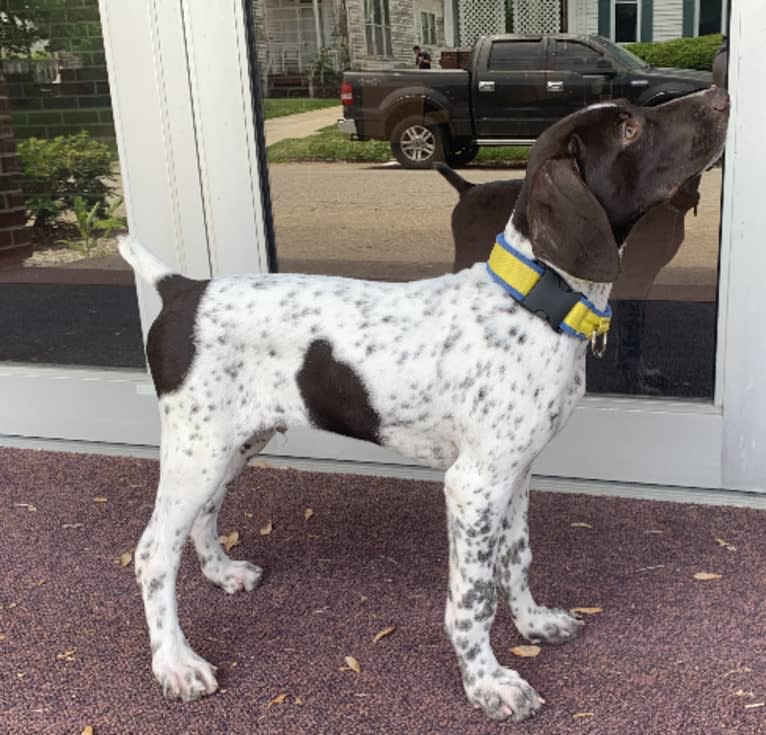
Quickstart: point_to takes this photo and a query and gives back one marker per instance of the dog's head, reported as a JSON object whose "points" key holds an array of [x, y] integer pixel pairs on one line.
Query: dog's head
{"points": [[594, 173]]}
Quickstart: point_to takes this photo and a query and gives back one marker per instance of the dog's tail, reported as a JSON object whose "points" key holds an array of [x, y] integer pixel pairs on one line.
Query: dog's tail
{"points": [[147, 266], [454, 178]]}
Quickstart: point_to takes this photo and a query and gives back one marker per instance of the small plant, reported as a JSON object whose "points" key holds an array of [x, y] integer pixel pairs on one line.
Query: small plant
{"points": [[55, 172], [93, 226]]}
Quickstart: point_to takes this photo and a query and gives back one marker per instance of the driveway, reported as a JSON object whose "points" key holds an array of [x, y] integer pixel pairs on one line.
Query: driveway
{"points": [[385, 222]]}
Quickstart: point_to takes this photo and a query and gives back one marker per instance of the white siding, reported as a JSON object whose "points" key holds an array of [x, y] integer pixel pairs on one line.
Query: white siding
{"points": [[577, 16], [591, 16], [668, 20]]}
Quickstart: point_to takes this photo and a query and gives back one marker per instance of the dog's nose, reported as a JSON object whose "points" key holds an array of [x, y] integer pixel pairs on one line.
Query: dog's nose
{"points": [[717, 98]]}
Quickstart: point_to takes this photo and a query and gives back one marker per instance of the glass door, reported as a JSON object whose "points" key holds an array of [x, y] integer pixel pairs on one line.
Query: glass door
{"points": [[71, 351], [676, 401]]}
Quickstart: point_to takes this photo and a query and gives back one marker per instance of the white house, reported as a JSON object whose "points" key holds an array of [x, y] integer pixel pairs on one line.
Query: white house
{"points": [[380, 34]]}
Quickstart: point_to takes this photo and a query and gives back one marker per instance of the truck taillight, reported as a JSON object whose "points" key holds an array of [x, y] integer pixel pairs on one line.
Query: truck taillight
{"points": [[346, 94]]}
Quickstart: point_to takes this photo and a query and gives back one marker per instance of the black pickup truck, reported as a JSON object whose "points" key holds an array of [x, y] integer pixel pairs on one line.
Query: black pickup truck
{"points": [[514, 87]]}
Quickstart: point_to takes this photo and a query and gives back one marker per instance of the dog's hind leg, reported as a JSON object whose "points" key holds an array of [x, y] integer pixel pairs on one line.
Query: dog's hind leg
{"points": [[192, 471], [514, 557], [228, 574]]}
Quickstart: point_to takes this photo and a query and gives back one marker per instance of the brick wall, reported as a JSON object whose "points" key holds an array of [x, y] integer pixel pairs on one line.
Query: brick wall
{"points": [[69, 94], [14, 236]]}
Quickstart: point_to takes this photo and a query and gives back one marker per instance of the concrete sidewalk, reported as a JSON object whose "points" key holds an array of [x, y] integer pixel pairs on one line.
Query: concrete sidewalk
{"points": [[300, 125]]}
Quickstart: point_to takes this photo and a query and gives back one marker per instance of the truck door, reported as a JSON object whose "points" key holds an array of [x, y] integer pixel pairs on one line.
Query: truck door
{"points": [[578, 75], [509, 89]]}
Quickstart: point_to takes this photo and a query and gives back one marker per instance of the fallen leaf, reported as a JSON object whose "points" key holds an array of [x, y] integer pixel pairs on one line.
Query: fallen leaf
{"points": [[706, 576], [3, 636], [743, 693], [71, 525], [99, 499], [753, 705], [741, 670], [586, 610], [579, 715], [126, 558], [308, 513], [351, 665], [650, 569], [267, 529], [363, 598], [526, 651], [31, 508], [297, 700], [725, 544], [248, 514], [383, 633], [229, 541], [580, 525], [279, 699], [87, 730], [68, 655]]}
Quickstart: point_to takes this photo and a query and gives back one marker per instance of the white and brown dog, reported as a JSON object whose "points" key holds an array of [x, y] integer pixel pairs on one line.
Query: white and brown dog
{"points": [[454, 372]]}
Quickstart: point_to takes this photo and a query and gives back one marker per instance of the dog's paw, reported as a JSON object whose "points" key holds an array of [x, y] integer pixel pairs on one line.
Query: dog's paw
{"points": [[183, 674], [550, 625], [504, 695], [240, 575], [233, 576]]}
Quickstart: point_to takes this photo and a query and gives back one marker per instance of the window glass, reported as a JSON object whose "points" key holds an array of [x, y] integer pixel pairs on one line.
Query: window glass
{"points": [[710, 17], [516, 56], [66, 296], [574, 56], [625, 21], [372, 206]]}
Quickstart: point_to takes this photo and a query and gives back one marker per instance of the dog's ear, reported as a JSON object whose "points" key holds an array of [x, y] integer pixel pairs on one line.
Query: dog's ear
{"points": [[567, 226]]}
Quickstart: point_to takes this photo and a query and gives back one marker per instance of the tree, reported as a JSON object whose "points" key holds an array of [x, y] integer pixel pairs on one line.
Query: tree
{"points": [[23, 25]]}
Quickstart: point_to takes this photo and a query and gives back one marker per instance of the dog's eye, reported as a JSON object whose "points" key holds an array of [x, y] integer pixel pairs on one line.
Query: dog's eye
{"points": [[629, 130]]}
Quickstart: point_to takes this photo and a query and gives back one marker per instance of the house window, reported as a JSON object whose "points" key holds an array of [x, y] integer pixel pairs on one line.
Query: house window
{"points": [[709, 16], [625, 21], [428, 28], [377, 24]]}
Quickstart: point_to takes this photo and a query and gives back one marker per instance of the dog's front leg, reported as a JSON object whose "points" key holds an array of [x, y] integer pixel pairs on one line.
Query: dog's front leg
{"points": [[514, 556], [478, 493]]}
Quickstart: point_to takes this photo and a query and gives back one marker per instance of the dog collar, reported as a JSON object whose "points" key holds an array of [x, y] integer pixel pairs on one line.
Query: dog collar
{"points": [[541, 290]]}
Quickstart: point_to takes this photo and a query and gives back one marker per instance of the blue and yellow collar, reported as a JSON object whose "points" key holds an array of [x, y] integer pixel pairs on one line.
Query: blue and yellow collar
{"points": [[541, 290]]}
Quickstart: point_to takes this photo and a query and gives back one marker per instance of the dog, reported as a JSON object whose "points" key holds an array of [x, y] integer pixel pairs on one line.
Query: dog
{"points": [[454, 372], [654, 240]]}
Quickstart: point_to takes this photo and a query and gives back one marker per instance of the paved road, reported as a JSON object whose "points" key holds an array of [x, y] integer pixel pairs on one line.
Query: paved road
{"points": [[385, 222]]}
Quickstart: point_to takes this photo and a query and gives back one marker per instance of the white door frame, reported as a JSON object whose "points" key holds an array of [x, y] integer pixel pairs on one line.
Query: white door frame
{"points": [[181, 88]]}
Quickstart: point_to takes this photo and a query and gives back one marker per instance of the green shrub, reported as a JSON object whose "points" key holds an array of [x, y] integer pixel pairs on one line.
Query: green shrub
{"points": [[683, 53], [56, 171]]}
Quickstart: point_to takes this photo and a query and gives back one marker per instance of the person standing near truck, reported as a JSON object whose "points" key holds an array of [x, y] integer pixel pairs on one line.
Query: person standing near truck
{"points": [[422, 58]]}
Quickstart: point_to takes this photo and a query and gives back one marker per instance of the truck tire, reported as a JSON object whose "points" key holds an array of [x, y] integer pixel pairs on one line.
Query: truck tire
{"points": [[416, 143], [460, 155]]}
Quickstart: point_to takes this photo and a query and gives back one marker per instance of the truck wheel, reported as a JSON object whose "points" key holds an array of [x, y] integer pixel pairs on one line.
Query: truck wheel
{"points": [[417, 144], [461, 155]]}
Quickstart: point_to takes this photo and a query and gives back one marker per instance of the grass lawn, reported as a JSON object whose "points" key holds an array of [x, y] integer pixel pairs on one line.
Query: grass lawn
{"points": [[329, 144], [281, 106]]}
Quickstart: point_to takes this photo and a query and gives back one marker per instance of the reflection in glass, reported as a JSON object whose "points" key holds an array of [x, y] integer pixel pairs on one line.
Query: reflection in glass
{"points": [[346, 207], [66, 296]]}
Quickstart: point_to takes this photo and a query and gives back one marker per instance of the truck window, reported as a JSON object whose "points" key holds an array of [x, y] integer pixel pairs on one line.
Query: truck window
{"points": [[574, 56], [516, 56]]}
